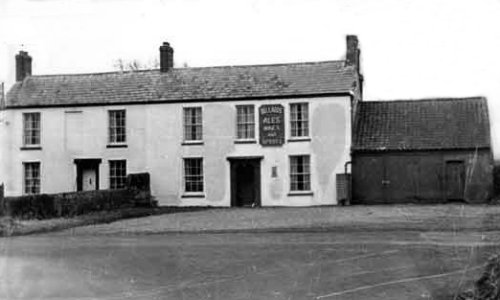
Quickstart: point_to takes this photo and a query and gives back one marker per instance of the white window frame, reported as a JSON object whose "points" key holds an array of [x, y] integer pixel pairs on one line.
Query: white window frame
{"points": [[299, 123], [197, 124], [200, 180], [298, 177], [113, 127], [34, 182], [116, 181], [245, 123], [28, 131]]}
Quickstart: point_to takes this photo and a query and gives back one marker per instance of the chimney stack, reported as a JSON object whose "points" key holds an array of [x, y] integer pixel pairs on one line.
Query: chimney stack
{"points": [[353, 52], [166, 57], [23, 65]]}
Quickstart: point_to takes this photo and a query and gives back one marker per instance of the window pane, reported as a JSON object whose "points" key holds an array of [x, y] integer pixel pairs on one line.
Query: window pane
{"points": [[193, 174], [117, 174], [245, 122], [192, 124], [31, 128], [117, 126], [32, 178], [300, 177], [299, 119]]}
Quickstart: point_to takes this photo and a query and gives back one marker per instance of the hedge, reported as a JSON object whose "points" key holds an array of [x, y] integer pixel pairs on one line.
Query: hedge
{"points": [[44, 206]]}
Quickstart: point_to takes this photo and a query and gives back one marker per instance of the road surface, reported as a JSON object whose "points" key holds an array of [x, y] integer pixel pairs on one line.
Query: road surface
{"points": [[376, 265]]}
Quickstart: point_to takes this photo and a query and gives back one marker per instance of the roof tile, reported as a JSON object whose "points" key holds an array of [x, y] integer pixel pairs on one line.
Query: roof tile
{"points": [[184, 84], [428, 124]]}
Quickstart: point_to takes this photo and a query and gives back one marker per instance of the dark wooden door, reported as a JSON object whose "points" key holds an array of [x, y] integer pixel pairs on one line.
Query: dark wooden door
{"points": [[369, 180], [455, 180], [245, 182]]}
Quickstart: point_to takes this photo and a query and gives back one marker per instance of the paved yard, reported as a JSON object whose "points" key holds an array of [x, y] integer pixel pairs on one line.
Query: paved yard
{"points": [[399, 217], [387, 265], [377, 252]]}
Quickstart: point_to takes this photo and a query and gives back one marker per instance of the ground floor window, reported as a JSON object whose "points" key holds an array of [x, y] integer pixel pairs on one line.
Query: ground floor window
{"points": [[193, 174], [300, 173], [31, 178], [117, 174]]}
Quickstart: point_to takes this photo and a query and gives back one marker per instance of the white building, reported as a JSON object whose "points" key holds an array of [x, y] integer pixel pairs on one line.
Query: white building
{"points": [[270, 135]]}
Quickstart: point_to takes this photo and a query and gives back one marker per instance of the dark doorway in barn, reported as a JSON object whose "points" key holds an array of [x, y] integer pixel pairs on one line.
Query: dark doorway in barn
{"points": [[455, 180], [87, 174], [245, 182]]}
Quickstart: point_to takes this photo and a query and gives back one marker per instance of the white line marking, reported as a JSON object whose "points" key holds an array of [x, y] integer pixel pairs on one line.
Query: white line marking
{"points": [[366, 287]]}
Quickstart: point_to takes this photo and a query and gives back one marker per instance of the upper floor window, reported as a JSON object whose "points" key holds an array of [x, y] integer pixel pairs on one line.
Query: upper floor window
{"points": [[300, 173], [31, 129], [299, 119], [117, 174], [245, 122], [193, 174], [31, 177], [193, 130], [117, 127]]}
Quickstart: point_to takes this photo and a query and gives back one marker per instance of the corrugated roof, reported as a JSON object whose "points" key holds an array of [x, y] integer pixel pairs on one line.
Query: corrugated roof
{"points": [[230, 82], [428, 124]]}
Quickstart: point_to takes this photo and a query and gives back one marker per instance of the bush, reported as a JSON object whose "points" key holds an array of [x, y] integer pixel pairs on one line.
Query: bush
{"points": [[488, 285]]}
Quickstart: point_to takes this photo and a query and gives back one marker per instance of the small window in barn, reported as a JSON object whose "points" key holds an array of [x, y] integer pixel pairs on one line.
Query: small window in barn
{"points": [[193, 130], [117, 127], [245, 122], [299, 120], [300, 174], [31, 177], [117, 174], [31, 129], [193, 175]]}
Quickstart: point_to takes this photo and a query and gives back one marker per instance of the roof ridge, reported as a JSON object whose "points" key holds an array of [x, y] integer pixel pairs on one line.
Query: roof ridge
{"points": [[190, 68], [427, 99], [271, 65]]}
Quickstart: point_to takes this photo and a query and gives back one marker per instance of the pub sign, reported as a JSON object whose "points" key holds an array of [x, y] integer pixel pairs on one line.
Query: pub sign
{"points": [[272, 125]]}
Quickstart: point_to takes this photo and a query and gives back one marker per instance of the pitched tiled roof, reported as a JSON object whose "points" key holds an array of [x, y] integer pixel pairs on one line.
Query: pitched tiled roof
{"points": [[231, 82], [428, 124]]}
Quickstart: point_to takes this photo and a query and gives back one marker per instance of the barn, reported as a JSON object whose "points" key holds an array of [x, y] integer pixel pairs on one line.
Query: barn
{"points": [[422, 151]]}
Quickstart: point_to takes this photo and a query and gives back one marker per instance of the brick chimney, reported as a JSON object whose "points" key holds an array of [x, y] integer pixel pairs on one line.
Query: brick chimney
{"points": [[23, 65], [166, 57], [353, 52]]}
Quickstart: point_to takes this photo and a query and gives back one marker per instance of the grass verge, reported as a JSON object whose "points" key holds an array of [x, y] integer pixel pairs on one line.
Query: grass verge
{"points": [[14, 227]]}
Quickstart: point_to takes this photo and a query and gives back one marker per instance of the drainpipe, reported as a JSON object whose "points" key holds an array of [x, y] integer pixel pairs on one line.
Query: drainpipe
{"points": [[348, 178]]}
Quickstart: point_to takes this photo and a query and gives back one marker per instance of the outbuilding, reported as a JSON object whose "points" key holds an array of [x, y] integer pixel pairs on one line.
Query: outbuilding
{"points": [[430, 150]]}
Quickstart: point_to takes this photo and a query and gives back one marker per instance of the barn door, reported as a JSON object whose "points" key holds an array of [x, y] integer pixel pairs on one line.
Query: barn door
{"points": [[455, 180], [369, 180]]}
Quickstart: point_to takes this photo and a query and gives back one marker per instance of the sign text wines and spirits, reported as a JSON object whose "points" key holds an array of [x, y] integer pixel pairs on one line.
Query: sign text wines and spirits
{"points": [[272, 125]]}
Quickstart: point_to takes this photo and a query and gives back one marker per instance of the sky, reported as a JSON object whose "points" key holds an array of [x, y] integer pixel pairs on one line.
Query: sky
{"points": [[410, 49]]}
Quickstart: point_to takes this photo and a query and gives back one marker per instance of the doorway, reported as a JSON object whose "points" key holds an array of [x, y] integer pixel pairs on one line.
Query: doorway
{"points": [[455, 180], [245, 182], [87, 174]]}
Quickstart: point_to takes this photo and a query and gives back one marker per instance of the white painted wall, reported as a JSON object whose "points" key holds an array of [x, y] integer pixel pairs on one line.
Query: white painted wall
{"points": [[154, 139]]}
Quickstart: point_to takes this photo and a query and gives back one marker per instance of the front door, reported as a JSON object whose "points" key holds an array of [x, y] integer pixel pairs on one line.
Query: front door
{"points": [[245, 182], [455, 180], [87, 174], [89, 177]]}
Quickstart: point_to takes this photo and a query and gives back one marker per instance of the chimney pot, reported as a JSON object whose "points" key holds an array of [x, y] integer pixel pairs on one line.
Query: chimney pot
{"points": [[166, 57], [23, 65]]}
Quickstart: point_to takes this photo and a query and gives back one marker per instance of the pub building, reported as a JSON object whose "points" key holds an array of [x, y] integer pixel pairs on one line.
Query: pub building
{"points": [[256, 135]]}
